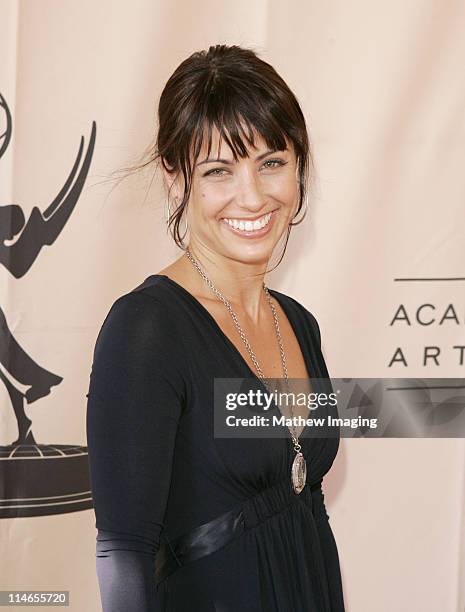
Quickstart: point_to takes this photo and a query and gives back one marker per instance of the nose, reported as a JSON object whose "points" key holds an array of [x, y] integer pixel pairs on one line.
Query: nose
{"points": [[250, 194]]}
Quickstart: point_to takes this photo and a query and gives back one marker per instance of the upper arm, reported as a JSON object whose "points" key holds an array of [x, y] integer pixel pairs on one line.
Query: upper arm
{"points": [[136, 396], [315, 327]]}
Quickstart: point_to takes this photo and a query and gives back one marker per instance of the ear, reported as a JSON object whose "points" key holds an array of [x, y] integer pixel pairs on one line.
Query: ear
{"points": [[172, 183]]}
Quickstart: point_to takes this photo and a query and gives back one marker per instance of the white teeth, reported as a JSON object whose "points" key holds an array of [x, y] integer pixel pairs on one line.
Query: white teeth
{"points": [[249, 226]]}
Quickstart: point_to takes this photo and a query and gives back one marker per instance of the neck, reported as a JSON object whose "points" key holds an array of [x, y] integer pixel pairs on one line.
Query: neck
{"points": [[240, 283]]}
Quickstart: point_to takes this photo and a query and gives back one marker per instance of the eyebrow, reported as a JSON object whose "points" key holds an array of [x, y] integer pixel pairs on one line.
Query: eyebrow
{"points": [[228, 161]]}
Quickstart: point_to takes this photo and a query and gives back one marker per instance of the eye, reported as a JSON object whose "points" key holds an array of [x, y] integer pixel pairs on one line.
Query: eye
{"points": [[215, 172], [268, 164], [274, 163]]}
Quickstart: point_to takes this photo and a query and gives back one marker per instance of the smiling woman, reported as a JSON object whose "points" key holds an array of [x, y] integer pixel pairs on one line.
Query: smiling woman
{"points": [[253, 196], [188, 521]]}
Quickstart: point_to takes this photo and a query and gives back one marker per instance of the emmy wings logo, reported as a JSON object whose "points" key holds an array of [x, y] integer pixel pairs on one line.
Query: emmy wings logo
{"points": [[36, 479]]}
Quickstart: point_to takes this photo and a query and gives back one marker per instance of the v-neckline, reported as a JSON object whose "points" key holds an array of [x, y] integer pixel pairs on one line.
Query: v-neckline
{"points": [[229, 342], [303, 347]]}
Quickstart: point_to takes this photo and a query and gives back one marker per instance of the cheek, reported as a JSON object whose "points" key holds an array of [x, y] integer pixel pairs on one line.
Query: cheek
{"points": [[208, 201], [285, 190], [214, 196]]}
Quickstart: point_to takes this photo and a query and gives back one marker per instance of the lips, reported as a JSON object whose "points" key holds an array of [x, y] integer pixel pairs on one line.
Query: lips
{"points": [[249, 224], [250, 228]]}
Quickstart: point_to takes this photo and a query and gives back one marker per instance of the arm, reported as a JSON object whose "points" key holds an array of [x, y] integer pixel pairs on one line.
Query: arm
{"points": [[327, 541], [135, 400], [328, 548]]}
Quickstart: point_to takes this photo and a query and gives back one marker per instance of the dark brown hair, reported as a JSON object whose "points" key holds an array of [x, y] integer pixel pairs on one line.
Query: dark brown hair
{"points": [[232, 89]]}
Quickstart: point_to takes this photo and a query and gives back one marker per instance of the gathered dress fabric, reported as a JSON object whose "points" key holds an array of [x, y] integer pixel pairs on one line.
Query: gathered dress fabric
{"points": [[158, 472]]}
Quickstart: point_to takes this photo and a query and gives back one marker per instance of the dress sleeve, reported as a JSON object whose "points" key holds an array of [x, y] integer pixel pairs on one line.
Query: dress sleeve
{"points": [[135, 400]]}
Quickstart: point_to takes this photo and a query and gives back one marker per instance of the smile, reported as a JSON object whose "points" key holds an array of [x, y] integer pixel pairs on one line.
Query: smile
{"points": [[249, 228]]}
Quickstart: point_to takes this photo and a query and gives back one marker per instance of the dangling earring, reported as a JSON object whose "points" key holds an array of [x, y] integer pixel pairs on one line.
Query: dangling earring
{"points": [[167, 210], [292, 223], [186, 229]]}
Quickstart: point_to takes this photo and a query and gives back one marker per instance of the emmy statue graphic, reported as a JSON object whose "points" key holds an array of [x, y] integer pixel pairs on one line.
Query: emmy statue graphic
{"points": [[36, 479]]}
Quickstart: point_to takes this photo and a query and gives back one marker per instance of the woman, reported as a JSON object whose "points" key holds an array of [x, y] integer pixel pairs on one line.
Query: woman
{"points": [[188, 521]]}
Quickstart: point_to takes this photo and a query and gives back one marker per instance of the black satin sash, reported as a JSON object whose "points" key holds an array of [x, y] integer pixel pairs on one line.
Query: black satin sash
{"points": [[209, 537]]}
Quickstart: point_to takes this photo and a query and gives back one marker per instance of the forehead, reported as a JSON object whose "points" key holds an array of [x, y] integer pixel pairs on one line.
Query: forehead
{"points": [[217, 144], [221, 148]]}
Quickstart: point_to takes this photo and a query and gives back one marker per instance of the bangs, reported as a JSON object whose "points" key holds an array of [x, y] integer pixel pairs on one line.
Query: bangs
{"points": [[239, 123]]}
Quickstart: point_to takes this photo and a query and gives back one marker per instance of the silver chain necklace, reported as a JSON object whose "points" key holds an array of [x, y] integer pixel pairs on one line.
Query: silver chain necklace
{"points": [[299, 466]]}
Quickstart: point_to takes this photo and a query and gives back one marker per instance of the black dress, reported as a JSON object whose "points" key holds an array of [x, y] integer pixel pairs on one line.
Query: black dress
{"points": [[157, 471]]}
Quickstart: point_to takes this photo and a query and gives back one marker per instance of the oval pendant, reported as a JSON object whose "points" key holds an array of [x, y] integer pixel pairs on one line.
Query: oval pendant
{"points": [[299, 472]]}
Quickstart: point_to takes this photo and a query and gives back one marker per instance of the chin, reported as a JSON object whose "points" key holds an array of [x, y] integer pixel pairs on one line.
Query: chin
{"points": [[249, 256]]}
